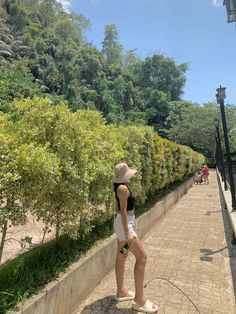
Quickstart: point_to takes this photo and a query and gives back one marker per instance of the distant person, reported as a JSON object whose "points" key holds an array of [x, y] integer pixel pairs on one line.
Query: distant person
{"points": [[198, 177], [124, 225], [205, 174]]}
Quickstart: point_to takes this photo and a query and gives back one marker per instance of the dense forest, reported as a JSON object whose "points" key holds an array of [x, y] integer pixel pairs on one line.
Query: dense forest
{"points": [[44, 52]]}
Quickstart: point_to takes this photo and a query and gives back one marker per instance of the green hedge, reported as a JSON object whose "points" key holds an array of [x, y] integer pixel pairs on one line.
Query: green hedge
{"points": [[54, 159], [60, 165]]}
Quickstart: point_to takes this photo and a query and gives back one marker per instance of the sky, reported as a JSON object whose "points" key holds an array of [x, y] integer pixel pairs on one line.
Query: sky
{"points": [[188, 31]]}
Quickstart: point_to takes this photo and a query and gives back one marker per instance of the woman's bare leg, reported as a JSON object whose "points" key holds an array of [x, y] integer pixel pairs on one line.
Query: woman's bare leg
{"points": [[120, 271], [139, 271]]}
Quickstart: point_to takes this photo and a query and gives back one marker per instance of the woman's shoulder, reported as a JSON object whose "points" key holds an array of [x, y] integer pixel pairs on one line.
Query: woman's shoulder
{"points": [[123, 189]]}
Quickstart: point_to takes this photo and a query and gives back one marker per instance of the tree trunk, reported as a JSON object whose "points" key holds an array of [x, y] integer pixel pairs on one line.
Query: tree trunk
{"points": [[81, 226], [57, 229], [4, 233], [44, 234]]}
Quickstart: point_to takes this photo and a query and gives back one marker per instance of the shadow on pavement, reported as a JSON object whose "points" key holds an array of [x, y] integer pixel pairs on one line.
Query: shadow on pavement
{"points": [[108, 305], [208, 213], [207, 252]]}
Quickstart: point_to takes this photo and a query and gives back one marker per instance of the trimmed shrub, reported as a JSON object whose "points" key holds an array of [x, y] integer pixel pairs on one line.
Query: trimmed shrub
{"points": [[66, 160]]}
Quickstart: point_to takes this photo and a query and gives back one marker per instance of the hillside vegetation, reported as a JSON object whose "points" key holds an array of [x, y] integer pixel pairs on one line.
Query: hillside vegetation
{"points": [[43, 51]]}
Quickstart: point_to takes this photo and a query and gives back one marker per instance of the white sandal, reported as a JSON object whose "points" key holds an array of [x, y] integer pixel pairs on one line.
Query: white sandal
{"points": [[146, 308], [129, 297]]}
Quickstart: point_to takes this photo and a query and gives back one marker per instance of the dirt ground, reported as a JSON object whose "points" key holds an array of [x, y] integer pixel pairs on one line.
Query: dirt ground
{"points": [[32, 228]]}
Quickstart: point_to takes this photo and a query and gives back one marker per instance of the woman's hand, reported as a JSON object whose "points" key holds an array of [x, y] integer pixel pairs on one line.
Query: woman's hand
{"points": [[130, 240]]}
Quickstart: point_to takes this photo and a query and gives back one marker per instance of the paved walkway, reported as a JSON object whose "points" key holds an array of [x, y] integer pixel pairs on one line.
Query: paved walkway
{"points": [[189, 261]]}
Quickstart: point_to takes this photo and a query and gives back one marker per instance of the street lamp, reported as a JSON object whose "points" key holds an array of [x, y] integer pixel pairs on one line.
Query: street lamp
{"points": [[219, 156], [231, 10], [220, 96]]}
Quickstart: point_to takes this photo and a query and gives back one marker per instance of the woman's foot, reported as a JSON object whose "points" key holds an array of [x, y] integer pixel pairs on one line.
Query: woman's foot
{"points": [[125, 296], [147, 307]]}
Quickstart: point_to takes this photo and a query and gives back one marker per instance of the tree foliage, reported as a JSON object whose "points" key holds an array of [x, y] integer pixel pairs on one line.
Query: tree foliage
{"points": [[50, 44], [111, 48], [26, 173], [194, 125]]}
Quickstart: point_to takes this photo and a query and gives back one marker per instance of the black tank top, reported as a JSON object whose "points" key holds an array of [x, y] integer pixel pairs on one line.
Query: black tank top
{"points": [[130, 199]]}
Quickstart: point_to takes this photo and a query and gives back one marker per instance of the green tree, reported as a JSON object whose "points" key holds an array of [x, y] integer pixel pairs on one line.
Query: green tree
{"points": [[49, 11], [17, 82], [111, 48], [230, 111], [131, 61], [17, 15], [164, 75], [90, 64], [195, 127], [156, 108]]}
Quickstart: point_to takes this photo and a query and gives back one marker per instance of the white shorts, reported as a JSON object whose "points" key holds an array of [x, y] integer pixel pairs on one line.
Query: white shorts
{"points": [[119, 230]]}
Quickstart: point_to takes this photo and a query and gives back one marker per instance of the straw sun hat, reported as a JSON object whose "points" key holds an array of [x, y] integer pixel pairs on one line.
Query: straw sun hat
{"points": [[123, 173]]}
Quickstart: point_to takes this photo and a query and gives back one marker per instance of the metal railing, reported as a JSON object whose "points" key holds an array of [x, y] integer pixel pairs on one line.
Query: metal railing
{"points": [[227, 172], [234, 175]]}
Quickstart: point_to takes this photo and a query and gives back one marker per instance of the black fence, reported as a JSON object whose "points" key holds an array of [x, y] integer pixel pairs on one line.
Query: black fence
{"points": [[226, 166], [228, 178]]}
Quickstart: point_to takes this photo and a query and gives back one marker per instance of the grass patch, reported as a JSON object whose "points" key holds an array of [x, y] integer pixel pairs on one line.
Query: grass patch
{"points": [[26, 274]]}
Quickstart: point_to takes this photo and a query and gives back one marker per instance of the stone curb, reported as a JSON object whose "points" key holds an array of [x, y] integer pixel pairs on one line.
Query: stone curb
{"points": [[72, 287]]}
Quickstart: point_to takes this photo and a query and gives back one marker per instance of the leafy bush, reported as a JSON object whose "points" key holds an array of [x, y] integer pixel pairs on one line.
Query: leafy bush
{"points": [[59, 165], [58, 159]]}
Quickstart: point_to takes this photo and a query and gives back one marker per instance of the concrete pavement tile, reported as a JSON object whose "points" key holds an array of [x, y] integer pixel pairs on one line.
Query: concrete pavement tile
{"points": [[188, 254]]}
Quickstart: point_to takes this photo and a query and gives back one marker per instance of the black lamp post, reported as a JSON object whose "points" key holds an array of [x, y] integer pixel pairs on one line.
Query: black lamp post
{"points": [[231, 10], [220, 100], [219, 155]]}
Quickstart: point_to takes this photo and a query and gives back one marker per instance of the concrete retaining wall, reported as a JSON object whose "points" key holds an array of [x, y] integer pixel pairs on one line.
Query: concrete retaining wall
{"points": [[67, 292]]}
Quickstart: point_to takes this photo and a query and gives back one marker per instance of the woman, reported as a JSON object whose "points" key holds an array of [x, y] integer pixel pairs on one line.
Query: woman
{"points": [[205, 174], [124, 229]]}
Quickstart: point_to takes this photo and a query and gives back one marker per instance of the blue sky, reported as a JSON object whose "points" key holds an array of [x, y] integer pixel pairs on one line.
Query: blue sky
{"points": [[192, 31]]}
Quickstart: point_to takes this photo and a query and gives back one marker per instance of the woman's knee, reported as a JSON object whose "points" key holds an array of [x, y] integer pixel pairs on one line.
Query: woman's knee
{"points": [[142, 258]]}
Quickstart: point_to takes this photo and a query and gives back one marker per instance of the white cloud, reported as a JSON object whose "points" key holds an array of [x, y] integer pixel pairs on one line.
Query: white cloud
{"points": [[94, 1], [66, 4], [217, 3]]}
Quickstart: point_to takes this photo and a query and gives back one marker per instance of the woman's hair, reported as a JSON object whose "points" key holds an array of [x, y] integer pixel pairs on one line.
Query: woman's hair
{"points": [[116, 185]]}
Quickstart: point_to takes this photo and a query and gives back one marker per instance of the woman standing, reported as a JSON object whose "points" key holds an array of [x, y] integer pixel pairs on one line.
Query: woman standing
{"points": [[128, 240], [205, 174]]}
